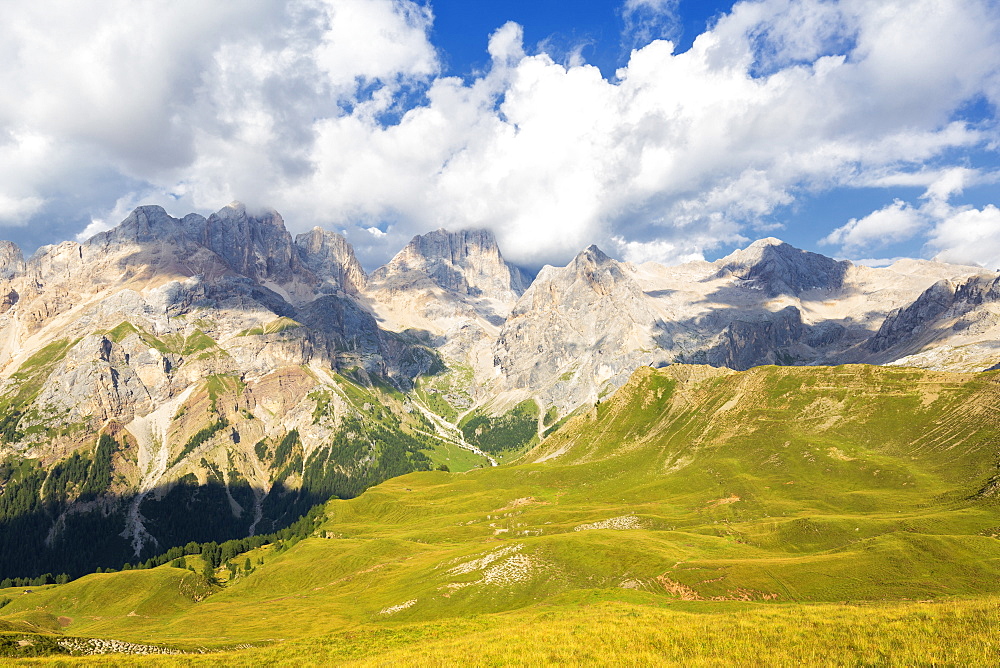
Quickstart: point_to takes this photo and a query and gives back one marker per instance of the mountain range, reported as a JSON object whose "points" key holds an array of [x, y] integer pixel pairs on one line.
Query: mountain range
{"points": [[195, 379]]}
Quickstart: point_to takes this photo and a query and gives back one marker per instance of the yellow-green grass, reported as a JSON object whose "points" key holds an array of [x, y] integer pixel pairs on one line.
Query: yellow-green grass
{"points": [[747, 499], [274, 327], [592, 631], [456, 458]]}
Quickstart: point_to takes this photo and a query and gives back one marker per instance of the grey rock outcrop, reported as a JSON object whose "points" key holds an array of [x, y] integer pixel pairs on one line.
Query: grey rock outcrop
{"points": [[452, 288], [11, 260], [11, 265], [777, 268], [467, 262], [947, 315], [748, 343], [96, 381], [256, 246], [333, 261], [979, 290], [150, 224], [902, 324], [577, 332]]}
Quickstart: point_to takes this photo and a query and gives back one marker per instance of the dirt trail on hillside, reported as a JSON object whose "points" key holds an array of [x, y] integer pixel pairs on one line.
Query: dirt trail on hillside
{"points": [[450, 432]]}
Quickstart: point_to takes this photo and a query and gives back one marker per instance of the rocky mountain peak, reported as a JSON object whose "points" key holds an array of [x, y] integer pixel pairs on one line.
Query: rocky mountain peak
{"points": [[575, 329], [468, 262], [779, 268], [256, 244], [595, 269], [332, 259], [592, 255], [147, 224], [238, 211], [11, 260]]}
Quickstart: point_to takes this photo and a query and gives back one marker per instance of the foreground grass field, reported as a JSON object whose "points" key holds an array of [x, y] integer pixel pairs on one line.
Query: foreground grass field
{"points": [[771, 516], [961, 633], [642, 633]]}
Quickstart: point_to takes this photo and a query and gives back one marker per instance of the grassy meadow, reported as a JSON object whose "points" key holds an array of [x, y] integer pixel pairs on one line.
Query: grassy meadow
{"points": [[841, 515]]}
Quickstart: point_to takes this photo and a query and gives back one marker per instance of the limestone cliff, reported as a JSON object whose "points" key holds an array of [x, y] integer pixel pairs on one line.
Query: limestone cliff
{"points": [[576, 332], [332, 259], [953, 325], [777, 268], [454, 290], [467, 262]]}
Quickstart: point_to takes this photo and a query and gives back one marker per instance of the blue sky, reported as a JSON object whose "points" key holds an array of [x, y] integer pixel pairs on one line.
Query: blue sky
{"points": [[663, 130], [461, 28]]}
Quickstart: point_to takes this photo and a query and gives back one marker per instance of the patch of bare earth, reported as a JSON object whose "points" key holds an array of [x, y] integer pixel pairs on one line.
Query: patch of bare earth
{"points": [[686, 593]]}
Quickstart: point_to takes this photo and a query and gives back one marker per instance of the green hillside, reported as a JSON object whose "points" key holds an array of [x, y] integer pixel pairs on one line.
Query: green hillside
{"points": [[776, 500]]}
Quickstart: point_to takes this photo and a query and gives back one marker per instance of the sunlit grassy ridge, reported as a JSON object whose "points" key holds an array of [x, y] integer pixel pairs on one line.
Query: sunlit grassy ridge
{"points": [[740, 496]]}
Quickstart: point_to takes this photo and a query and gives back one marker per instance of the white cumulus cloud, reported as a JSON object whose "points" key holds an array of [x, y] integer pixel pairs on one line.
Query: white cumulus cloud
{"points": [[969, 236], [335, 112], [896, 222], [959, 234]]}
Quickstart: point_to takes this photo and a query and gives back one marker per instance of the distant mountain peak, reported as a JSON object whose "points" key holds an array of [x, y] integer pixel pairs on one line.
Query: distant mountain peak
{"points": [[768, 241], [237, 210], [256, 245], [467, 262], [149, 223], [780, 268], [594, 254], [11, 259], [332, 258]]}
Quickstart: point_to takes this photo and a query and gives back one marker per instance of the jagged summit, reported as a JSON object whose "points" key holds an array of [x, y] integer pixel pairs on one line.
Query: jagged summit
{"points": [[468, 262], [779, 268], [582, 324], [11, 260], [238, 210], [332, 258], [593, 254], [151, 223], [594, 269], [255, 245]]}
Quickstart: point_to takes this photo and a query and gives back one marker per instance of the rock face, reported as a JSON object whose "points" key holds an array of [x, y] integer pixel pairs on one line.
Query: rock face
{"points": [[901, 324], [11, 260], [256, 246], [952, 325], [332, 259], [777, 268], [466, 262], [575, 329], [148, 225], [453, 289], [748, 343], [11, 265]]}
